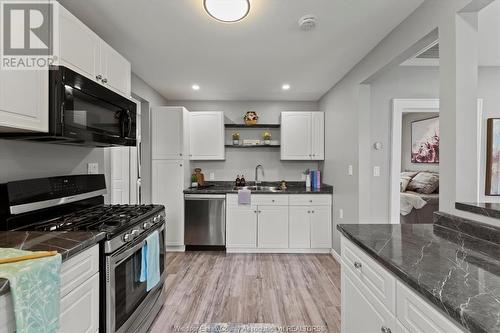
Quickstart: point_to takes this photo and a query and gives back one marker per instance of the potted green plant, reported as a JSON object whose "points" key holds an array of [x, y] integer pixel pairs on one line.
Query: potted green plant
{"points": [[267, 138], [236, 139]]}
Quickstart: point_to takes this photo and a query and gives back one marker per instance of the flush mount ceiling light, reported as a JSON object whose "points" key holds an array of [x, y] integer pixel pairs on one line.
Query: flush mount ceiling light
{"points": [[195, 87], [227, 10], [286, 86]]}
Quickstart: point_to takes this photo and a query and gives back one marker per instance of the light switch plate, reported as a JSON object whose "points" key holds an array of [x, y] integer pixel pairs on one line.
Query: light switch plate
{"points": [[350, 170], [341, 213], [93, 168], [376, 171]]}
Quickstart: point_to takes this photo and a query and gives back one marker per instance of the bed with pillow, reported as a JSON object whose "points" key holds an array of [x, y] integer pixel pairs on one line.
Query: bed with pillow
{"points": [[419, 196]]}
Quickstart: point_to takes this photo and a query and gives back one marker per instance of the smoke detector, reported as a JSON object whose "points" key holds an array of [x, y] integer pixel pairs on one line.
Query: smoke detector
{"points": [[307, 22]]}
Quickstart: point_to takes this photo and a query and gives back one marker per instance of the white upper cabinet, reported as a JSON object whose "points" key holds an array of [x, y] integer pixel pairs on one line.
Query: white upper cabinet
{"points": [[24, 100], [116, 70], [318, 136], [302, 136], [86, 53], [170, 133], [206, 140], [79, 46]]}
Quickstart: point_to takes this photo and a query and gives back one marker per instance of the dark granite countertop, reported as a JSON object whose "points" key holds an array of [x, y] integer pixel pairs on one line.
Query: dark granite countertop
{"points": [[486, 209], [228, 187], [454, 263], [68, 244]]}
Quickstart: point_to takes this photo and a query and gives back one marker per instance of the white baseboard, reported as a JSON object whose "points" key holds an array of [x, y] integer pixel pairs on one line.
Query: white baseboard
{"points": [[290, 251], [335, 255], [180, 248]]}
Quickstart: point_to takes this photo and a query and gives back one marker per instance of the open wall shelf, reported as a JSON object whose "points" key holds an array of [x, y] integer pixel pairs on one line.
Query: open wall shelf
{"points": [[257, 126], [253, 146]]}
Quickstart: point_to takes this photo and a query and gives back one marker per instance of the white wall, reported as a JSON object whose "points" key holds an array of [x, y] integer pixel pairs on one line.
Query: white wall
{"points": [[243, 161], [347, 112], [406, 164]]}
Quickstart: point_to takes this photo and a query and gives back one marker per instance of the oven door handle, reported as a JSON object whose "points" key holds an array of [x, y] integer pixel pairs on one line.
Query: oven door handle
{"points": [[125, 254]]}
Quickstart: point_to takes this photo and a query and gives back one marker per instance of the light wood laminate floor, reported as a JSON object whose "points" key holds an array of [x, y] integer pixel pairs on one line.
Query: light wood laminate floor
{"points": [[282, 289]]}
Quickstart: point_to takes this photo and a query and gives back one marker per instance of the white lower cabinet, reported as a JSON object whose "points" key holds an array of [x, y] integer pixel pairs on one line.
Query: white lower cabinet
{"points": [[300, 227], [79, 307], [272, 227], [241, 226], [374, 300], [273, 224], [361, 312], [321, 227]]}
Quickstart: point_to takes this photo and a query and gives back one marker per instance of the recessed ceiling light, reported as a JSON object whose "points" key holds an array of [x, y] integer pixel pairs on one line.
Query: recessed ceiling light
{"points": [[227, 10], [195, 87], [286, 86]]}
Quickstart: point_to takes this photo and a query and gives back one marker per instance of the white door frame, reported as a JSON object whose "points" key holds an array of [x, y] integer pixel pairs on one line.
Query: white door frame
{"points": [[400, 107]]}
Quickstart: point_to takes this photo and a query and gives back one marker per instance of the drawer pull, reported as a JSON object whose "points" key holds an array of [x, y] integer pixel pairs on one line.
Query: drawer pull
{"points": [[384, 329], [358, 266], [273, 200]]}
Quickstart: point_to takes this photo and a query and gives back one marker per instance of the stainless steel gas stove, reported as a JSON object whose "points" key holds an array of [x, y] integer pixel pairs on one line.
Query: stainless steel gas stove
{"points": [[76, 203]]}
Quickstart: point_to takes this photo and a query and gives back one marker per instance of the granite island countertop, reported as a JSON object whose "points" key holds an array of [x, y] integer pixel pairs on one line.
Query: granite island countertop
{"points": [[224, 187], [68, 244], [454, 263]]}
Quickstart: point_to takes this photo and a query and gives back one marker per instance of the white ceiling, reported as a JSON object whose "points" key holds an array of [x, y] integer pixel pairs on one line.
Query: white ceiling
{"points": [[173, 44]]}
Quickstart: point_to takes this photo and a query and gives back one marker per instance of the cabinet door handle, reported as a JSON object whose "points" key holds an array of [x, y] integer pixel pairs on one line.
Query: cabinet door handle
{"points": [[255, 211], [312, 211], [98, 77], [273, 200], [308, 212], [384, 329], [357, 265]]}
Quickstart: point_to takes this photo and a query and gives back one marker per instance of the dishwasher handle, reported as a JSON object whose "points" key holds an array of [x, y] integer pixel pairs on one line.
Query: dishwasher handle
{"points": [[205, 197]]}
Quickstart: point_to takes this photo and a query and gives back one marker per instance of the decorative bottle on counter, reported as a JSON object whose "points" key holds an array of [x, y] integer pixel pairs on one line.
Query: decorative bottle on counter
{"points": [[238, 181], [243, 182], [308, 181]]}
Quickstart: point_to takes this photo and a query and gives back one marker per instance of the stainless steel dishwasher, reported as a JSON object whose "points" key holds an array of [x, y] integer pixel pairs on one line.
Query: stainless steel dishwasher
{"points": [[205, 221]]}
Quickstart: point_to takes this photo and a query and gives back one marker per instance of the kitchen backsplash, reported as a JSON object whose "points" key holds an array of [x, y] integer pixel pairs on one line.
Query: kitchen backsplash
{"points": [[244, 161], [23, 160]]}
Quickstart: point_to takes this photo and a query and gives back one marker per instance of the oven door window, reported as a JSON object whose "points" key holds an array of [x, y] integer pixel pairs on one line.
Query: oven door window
{"points": [[85, 112], [129, 291]]}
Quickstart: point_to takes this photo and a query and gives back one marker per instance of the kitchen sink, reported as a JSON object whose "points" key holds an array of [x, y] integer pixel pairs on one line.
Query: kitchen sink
{"points": [[272, 189]]}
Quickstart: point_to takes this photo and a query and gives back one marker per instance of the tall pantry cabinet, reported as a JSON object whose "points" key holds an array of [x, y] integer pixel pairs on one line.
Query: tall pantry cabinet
{"points": [[171, 169]]}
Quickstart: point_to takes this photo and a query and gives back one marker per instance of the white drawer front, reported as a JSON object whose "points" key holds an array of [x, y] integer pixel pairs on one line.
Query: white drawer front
{"points": [[374, 276], [270, 200], [418, 316], [79, 269], [259, 199], [310, 200]]}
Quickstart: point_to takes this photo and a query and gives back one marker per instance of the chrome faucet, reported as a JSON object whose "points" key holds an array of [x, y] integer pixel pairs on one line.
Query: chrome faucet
{"points": [[257, 182]]}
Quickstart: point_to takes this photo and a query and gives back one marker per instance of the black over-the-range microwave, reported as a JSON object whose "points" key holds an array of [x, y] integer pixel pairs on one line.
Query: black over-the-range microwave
{"points": [[83, 112]]}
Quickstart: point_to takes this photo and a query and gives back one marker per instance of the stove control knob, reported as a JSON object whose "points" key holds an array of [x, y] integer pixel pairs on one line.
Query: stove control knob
{"points": [[127, 238], [135, 233], [155, 219], [146, 225]]}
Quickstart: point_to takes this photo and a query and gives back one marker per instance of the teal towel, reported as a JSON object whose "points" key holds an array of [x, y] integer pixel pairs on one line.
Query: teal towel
{"points": [[35, 289], [150, 261]]}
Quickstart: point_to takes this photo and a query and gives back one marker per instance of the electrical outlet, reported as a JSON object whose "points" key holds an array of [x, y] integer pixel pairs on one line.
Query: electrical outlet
{"points": [[93, 168], [341, 213], [376, 171], [350, 170], [212, 176]]}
